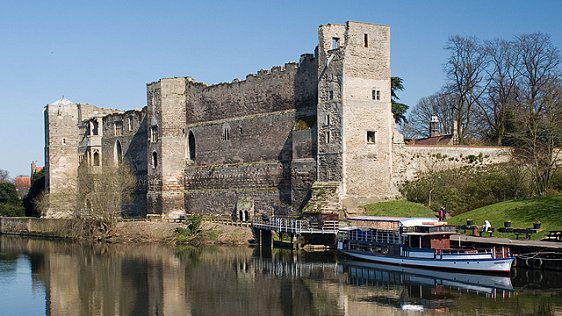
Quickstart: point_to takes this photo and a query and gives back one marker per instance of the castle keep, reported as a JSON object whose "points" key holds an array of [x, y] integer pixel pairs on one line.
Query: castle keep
{"points": [[317, 132]]}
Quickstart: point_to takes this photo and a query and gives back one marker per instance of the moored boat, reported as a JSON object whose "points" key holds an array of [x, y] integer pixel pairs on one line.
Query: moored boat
{"points": [[418, 242]]}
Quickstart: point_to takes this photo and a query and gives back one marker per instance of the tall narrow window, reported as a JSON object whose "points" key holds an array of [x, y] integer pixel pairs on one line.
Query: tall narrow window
{"points": [[118, 127], [154, 160], [96, 158], [226, 132], [331, 94], [129, 124], [118, 153], [327, 119], [154, 134], [95, 127], [366, 40], [191, 144], [328, 136]]}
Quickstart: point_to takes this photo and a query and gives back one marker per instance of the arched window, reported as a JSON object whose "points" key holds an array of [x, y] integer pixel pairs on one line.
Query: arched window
{"points": [[96, 158], [191, 146], [154, 160], [117, 153]]}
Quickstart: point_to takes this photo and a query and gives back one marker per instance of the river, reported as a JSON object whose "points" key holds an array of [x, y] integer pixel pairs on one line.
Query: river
{"points": [[45, 277]]}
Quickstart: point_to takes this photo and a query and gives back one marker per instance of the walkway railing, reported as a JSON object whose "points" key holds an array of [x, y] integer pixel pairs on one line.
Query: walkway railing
{"points": [[295, 226]]}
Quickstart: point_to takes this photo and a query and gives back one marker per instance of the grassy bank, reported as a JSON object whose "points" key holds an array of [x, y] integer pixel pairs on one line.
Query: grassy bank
{"points": [[398, 208], [522, 213]]}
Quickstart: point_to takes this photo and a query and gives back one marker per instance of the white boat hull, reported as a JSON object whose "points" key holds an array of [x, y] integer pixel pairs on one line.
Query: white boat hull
{"points": [[478, 263]]}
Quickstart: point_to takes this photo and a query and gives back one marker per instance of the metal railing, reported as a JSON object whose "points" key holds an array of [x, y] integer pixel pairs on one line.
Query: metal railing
{"points": [[297, 226]]}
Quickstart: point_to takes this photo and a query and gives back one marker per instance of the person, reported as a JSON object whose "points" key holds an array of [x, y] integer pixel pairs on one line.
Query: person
{"points": [[444, 213], [440, 214], [487, 226]]}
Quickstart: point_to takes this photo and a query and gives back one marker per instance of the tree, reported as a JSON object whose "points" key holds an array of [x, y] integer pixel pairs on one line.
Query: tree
{"points": [[465, 81], [539, 110], [10, 204], [398, 109], [4, 176], [438, 104], [103, 194], [502, 93], [37, 188]]}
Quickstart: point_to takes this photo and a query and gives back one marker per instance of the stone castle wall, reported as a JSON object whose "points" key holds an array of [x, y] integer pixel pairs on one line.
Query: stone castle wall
{"points": [[265, 140]]}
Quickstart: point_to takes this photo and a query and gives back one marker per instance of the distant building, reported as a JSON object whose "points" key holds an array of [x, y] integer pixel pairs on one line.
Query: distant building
{"points": [[318, 134], [23, 184]]}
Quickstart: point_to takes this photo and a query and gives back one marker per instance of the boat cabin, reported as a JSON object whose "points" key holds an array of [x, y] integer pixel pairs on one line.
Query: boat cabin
{"points": [[413, 232]]}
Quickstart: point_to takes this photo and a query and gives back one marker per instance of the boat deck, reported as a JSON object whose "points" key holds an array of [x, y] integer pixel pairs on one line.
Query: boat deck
{"points": [[507, 242]]}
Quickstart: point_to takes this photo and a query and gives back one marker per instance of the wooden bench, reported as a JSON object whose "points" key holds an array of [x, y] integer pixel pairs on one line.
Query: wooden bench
{"points": [[527, 231], [489, 231], [553, 235]]}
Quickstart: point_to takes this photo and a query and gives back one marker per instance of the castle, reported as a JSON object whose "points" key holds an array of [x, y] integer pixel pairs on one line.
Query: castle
{"points": [[318, 134]]}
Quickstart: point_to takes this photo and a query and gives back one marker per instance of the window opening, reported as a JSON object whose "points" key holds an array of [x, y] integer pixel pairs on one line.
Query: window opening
{"points": [[371, 137], [328, 136], [327, 119], [118, 153], [331, 93], [96, 159], [154, 134], [130, 124], [335, 42], [376, 94], [154, 160], [118, 128], [226, 132], [191, 144], [366, 40], [95, 127]]}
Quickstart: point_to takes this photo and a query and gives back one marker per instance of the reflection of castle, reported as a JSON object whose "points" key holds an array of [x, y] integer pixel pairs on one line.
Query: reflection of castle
{"points": [[267, 139]]}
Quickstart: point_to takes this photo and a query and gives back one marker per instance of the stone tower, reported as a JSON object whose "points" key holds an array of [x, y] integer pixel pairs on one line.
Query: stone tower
{"points": [[355, 123], [166, 146], [61, 156]]}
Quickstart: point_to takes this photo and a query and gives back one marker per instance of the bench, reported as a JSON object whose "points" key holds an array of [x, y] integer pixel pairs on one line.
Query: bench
{"points": [[553, 235], [527, 231], [489, 231]]}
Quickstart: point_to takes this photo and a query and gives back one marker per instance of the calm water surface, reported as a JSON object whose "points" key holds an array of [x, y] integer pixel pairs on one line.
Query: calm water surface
{"points": [[40, 277]]}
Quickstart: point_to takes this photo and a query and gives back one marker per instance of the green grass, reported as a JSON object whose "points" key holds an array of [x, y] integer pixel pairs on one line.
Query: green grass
{"points": [[522, 213], [398, 208]]}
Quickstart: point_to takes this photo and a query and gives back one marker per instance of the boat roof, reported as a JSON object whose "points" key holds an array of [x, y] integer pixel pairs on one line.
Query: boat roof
{"points": [[404, 221]]}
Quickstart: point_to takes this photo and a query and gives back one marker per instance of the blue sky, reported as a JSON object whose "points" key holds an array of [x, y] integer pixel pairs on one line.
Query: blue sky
{"points": [[104, 52]]}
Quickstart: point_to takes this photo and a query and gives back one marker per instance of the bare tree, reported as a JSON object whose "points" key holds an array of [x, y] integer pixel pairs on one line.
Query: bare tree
{"points": [[539, 108], [496, 109], [4, 175], [103, 193], [439, 105], [465, 73]]}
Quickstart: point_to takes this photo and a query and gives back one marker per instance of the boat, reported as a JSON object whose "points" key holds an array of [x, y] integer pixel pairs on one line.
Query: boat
{"points": [[417, 242]]}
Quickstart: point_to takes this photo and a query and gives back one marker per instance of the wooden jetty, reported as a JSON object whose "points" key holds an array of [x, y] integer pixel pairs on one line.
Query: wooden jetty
{"points": [[300, 231]]}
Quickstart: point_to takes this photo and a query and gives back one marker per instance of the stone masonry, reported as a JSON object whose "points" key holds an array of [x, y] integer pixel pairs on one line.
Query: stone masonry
{"points": [[270, 140]]}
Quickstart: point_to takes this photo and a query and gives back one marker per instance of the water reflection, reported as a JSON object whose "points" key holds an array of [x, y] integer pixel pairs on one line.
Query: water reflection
{"points": [[158, 280]]}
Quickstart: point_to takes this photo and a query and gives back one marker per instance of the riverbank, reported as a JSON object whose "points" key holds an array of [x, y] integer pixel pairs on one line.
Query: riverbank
{"points": [[127, 231]]}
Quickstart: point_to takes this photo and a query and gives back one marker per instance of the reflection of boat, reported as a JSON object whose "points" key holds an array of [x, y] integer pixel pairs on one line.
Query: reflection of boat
{"points": [[367, 272], [422, 288], [421, 242]]}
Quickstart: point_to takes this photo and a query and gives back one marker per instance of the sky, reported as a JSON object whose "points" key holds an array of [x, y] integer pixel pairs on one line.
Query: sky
{"points": [[104, 52]]}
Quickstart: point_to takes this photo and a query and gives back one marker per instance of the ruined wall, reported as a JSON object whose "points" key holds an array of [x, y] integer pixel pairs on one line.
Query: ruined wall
{"points": [[125, 141], [242, 140], [292, 86]]}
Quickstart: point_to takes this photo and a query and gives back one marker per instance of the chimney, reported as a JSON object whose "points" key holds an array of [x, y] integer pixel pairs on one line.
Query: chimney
{"points": [[434, 126]]}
